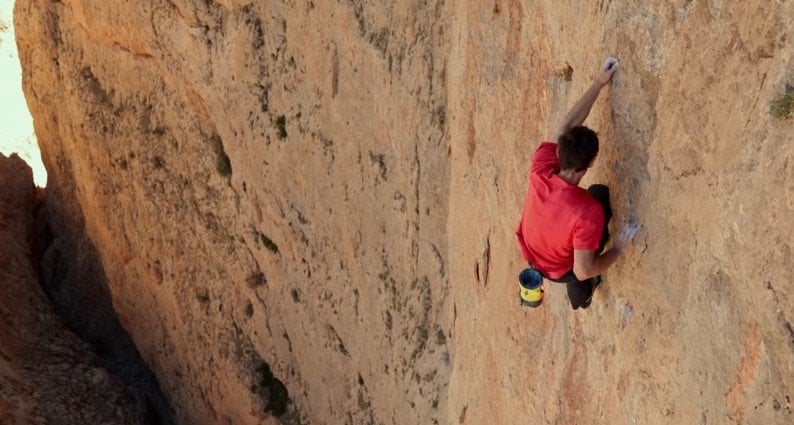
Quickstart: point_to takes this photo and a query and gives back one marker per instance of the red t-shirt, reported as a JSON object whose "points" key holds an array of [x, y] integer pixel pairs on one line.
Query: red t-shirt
{"points": [[558, 217]]}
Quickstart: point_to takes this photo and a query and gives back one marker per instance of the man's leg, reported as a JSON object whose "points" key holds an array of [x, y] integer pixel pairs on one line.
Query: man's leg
{"points": [[579, 292], [601, 194]]}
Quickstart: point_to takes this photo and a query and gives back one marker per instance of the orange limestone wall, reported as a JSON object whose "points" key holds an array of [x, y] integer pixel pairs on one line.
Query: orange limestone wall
{"points": [[305, 210]]}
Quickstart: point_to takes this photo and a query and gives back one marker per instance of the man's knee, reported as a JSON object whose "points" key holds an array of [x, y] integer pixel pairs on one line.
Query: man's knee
{"points": [[601, 193]]}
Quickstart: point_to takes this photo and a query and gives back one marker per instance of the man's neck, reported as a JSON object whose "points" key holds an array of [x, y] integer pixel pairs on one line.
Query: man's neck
{"points": [[571, 176]]}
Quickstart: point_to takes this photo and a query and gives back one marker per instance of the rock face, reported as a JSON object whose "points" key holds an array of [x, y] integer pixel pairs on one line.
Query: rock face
{"points": [[47, 374], [305, 210]]}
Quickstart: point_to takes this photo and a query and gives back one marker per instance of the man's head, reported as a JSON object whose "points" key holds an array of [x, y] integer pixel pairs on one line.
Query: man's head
{"points": [[577, 148]]}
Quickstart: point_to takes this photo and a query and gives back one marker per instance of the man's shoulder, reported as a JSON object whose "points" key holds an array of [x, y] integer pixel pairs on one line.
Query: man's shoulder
{"points": [[545, 156], [547, 146]]}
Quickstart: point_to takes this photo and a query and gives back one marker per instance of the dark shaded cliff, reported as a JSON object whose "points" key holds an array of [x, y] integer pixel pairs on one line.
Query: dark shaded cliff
{"points": [[47, 374]]}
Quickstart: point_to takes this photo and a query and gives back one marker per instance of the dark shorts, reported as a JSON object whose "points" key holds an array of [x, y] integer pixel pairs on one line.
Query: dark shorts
{"points": [[580, 292]]}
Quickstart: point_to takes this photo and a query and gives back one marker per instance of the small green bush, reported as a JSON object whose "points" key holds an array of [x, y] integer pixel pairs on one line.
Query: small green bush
{"points": [[269, 244], [783, 106], [256, 279], [281, 125]]}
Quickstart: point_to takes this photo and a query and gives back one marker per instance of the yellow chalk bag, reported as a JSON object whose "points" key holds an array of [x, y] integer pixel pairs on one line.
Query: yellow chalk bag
{"points": [[530, 283]]}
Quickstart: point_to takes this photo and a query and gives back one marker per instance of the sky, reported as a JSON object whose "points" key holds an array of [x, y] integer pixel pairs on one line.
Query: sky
{"points": [[16, 125]]}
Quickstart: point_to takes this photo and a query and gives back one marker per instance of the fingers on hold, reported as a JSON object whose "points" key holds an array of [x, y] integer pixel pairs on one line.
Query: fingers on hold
{"points": [[629, 231]]}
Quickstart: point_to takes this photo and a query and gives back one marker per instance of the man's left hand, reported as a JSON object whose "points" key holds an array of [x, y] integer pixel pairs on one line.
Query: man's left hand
{"points": [[609, 67]]}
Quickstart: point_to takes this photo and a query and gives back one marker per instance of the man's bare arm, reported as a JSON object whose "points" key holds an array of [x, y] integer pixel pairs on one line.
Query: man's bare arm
{"points": [[581, 109], [587, 264]]}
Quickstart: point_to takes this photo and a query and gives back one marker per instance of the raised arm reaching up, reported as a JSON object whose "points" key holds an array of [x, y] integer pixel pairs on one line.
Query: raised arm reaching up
{"points": [[581, 109]]}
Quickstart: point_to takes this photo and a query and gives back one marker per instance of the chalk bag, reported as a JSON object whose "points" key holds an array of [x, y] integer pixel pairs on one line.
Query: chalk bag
{"points": [[530, 287]]}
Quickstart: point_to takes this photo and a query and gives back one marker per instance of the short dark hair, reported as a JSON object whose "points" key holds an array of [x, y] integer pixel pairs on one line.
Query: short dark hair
{"points": [[577, 148]]}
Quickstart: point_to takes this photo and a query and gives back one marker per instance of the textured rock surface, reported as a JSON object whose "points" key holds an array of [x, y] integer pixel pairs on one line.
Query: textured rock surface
{"points": [[329, 190], [303, 233], [47, 374], [694, 325]]}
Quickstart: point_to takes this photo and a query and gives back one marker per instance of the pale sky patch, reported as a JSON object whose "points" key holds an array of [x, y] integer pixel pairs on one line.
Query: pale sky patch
{"points": [[16, 125]]}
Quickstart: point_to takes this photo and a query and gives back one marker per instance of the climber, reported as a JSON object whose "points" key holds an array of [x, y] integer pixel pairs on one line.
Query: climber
{"points": [[563, 228]]}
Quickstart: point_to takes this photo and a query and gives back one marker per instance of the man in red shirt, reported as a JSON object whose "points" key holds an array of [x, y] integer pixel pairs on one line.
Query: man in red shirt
{"points": [[563, 228]]}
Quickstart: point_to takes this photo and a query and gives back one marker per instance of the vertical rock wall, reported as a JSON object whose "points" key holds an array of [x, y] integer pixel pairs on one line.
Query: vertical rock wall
{"points": [[694, 324], [315, 201], [266, 184]]}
